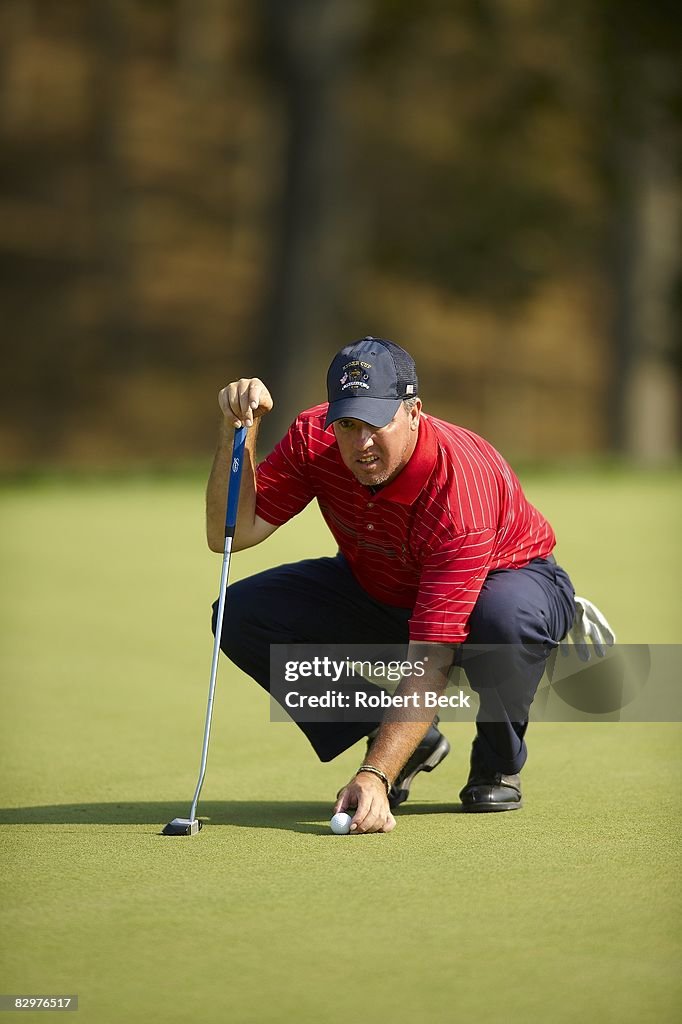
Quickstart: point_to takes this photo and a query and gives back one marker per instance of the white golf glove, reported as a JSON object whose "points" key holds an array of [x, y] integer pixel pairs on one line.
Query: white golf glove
{"points": [[588, 624]]}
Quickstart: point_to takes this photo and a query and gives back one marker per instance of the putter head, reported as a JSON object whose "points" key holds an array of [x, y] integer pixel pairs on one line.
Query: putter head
{"points": [[182, 827]]}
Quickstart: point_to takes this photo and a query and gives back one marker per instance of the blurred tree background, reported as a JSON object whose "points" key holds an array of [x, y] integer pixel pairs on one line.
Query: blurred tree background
{"points": [[194, 190]]}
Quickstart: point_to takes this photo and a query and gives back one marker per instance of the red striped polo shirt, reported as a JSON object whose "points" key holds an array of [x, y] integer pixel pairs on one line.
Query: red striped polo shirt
{"points": [[425, 541]]}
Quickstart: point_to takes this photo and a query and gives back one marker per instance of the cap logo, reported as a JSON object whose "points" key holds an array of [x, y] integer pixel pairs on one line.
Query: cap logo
{"points": [[355, 375]]}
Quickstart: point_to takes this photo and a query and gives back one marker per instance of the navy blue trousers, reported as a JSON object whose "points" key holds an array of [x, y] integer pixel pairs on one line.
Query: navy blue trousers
{"points": [[523, 612]]}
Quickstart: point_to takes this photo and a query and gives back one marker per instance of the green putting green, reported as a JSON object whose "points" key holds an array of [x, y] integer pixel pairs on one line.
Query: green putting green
{"points": [[566, 911]]}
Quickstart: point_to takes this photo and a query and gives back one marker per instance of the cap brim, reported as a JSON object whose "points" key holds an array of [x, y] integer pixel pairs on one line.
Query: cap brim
{"points": [[375, 411]]}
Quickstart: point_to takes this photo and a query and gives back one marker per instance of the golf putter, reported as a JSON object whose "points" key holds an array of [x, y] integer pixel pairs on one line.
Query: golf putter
{"points": [[190, 826]]}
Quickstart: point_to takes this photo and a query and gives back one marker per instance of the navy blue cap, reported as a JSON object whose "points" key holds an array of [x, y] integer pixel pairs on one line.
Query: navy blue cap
{"points": [[368, 380]]}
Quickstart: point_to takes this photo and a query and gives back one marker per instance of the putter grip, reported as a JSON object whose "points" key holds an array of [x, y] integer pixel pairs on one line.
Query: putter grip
{"points": [[235, 480]]}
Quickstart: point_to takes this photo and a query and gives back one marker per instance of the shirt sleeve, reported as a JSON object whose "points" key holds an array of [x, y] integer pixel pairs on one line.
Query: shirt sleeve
{"points": [[283, 487], [450, 582]]}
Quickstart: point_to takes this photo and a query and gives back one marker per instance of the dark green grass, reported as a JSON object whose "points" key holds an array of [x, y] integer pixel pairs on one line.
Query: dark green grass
{"points": [[566, 911]]}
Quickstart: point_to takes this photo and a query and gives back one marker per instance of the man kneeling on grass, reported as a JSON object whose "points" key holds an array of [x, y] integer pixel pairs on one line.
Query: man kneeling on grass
{"points": [[437, 545]]}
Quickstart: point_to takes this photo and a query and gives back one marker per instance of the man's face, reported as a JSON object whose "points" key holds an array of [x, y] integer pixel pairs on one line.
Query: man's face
{"points": [[375, 455]]}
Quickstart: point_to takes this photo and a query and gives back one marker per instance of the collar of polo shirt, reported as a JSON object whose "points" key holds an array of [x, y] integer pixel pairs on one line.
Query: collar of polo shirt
{"points": [[411, 480]]}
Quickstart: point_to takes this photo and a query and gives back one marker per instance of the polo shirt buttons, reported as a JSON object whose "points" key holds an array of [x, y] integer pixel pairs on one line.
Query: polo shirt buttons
{"points": [[369, 526], [370, 504]]}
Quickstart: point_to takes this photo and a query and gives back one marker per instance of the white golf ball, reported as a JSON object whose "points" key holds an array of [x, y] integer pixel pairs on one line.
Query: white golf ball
{"points": [[340, 823]]}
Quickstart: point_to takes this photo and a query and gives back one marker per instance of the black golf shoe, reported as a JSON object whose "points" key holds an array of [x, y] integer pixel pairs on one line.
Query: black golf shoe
{"points": [[433, 749], [491, 792]]}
